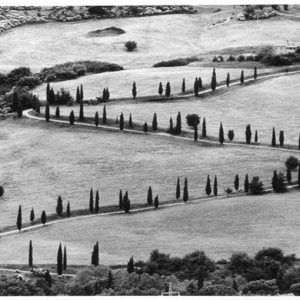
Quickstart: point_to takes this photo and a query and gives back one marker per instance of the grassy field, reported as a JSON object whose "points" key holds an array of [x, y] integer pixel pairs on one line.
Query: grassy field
{"points": [[158, 38], [218, 227], [40, 161], [263, 106]]}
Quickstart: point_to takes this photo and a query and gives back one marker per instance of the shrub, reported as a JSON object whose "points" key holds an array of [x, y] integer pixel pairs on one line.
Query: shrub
{"points": [[256, 186], [1, 190], [231, 58], [97, 10], [16, 74], [250, 58], [273, 253], [192, 119], [175, 62], [130, 45], [261, 287], [63, 97], [30, 81], [217, 290], [292, 163], [241, 58], [215, 59], [240, 262], [230, 134]]}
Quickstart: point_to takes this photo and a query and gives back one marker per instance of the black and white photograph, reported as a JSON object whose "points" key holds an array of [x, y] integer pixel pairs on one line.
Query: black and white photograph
{"points": [[149, 149]]}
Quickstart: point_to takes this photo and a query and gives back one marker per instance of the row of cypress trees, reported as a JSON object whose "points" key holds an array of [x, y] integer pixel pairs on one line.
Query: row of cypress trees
{"points": [[61, 259], [32, 216], [94, 205]]}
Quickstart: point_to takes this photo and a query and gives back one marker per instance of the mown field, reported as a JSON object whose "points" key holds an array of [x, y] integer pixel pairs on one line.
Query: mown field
{"points": [[218, 227], [40, 161], [158, 38], [263, 105]]}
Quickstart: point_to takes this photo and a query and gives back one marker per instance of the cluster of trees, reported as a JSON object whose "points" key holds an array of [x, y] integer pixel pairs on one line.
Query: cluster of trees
{"points": [[197, 85], [150, 200], [94, 205], [19, 222], [124, 201], [167, 90], [95, 255], [61, 264], [61, 97], [177, 129]]}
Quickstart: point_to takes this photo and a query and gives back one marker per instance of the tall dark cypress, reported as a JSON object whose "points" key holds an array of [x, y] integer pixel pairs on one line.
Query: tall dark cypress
{"points": [[38, 106], [32, 216], [273, 138], [228, 79], [178, 189], [195, 132], [65, 258], [91, 203], [275, 180], [78, 95], [183, 85], [160, 89], [130, 265], [47, 112], [178, 123], [255, 72], [281, 138], [208, 186], [59, 206], [47, 91], [156, 201], [196, 87], [168, 89], [248, 134], [59, 264], [57, 112], [30, 255], [171, 129], [96, 119], [96, 254], [43, 217], [130, 121], [256, 137], [149, 196], [221, 134], [120, 200], [236, 182], [246, 184], [242, 77], [204, 133], [134, 92], [145, 127], [104, 118], [289, 175], [19, 218], [97, 202], [71, 118], [81, 113], [154, 122], [121, 121], [81, 92], [185, 191], [20, 110], [68, 210], [215, 186], [200, 83], [213, 81]]}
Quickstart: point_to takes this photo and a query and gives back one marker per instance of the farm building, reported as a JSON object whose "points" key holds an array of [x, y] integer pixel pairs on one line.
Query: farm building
{"points": [[288, 48]]}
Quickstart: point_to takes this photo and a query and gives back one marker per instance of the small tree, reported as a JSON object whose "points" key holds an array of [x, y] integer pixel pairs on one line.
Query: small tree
{"points": [[38, 106], [30, 255], [149, 196], [242, 77], [292, 163], [104, 115], [156, 202], [71, 118], [95, 255], [289, 175], [43, 218], [78, 97], [213, 81], [68, 210], [256, 186], [196, 87], [256, 137], [221, 134], [183, 85], [171, 129], [59, 206], [230, 134], [185, 191], [215, 186], [19, 218], [130, 45], [248, 134], [96, 119], [47, 112], [208, 186], [204, 133], [154, 122], [200, 83], [130, 121], [255, 73], [130, 266], [48, 278], [160, 89], [120, 200], [110, 280], [168, 90], [121, 121], [273, 138], [178, 189], [32, 216], [59, 264], [81, 92], [65, 258], [145, 127], [200, 278], [274, 180], [281, 138], [57, 112], [228, 79], [280, 185], [134, 92], [192, 119], [178, 124], [81, 113], [91, 203], [236, 182], [97, 202], [246, 184]]}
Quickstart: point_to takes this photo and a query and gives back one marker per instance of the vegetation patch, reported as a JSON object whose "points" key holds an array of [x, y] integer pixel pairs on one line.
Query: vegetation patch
{"points": [[175, 62], [110, 31]]}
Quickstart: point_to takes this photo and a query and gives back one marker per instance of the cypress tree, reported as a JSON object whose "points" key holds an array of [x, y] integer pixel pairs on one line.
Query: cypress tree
{"points": [[78, 95], [51, 96], [81, 114], [178, 189], [246, 184], [160, 89], [168, 90], [183, 85], [65, 258], [221, 134], [126, 203], [281, 138], [208, 186], [57, 112], [149, 196], [204, 133], [15, 103], [273, 138], [178, 123], [121, 121], [59, 206], [47, 92], [171, 129], [275, 180], [200, 278], [32, 215], [289, 175], [185, 191], [47, 112], [81, 92], [134, 90], [255, 72], [104, 95], [91, 204], [196, 87], [228, 79], [107, 93], [38, 106], [20, 110], [43, 217], [120, 200], [59, 264], [248, 134], [145, 127], [48, 278], [214, 80], [156, 201], [97, 202], [154, 122], [130, 266], [19, 218], [200, 83], [68, 210], [130, 121], [215, 186], [236, 182], [195, 132], [256, 137], [96, 119], [104, 119], [30, 256], [71, 118], [242, 77], [97, 254]]}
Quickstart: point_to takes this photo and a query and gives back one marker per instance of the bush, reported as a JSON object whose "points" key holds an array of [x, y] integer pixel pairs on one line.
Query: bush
{"points": [[273, 253], [240, 263], [241, 58], [1, 190], [192, 119], [231, 58], [250, 58], [16, 74], [130, 45], [292, 163], [63, 97], [97, 10], [175, 62], [217, 290], [215, 59], [256, 186], [261, 287], [30, 81], [230, 134]]}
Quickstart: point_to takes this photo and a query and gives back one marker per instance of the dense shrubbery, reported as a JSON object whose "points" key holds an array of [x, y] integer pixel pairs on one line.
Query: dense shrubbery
{"points": [[175, 62], [192, 119], [30, 81], [130, 45]]}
